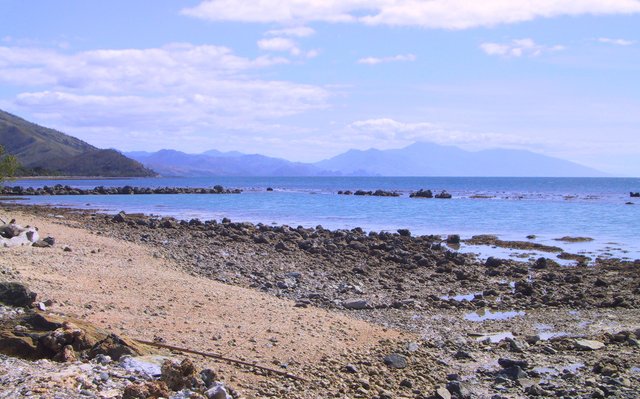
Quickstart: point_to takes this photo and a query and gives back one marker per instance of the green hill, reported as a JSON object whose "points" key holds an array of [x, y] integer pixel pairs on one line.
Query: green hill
{"points": [[44, 151]]}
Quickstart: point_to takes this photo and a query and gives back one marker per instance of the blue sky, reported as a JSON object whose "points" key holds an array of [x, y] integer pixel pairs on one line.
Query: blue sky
{"points": [[308, 79]]}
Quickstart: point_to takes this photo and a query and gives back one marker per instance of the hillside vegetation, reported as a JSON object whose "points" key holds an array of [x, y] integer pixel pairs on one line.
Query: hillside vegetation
{"points": [[44, 151]]}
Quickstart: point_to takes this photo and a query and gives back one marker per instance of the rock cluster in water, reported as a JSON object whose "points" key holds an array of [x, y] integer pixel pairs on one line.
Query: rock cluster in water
{"points": [[377, 193], [59, 189], [429, 194]]}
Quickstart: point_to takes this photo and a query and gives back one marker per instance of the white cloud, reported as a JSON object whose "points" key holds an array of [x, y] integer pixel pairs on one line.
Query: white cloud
{"points": [[518, 48], [446, 14], [395, 58], [166, 91], [279, 44], [299, 31], [389, 132], [617, 42]]}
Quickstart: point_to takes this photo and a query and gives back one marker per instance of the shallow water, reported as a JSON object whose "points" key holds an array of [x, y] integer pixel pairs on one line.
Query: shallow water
{"points": [[485, 314], [547, 207]]}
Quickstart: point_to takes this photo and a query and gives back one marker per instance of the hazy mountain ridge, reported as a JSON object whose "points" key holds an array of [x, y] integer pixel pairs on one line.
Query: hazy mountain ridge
{"points": [[429, 159], [41, 151], [418, 159], [216, 163]]}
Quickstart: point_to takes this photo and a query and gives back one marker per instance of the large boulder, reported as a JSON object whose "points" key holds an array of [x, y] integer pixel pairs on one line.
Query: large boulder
{"points": [[16, 294]]}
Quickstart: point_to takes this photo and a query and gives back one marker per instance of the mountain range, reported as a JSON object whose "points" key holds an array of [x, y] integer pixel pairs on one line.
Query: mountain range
{"points": [[43, 151], [418, 159]]}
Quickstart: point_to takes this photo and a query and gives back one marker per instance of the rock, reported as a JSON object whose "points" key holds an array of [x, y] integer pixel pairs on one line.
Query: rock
{"points": [[541, 263], [588, 345], [119, 218], [413, 346], [460, 389], [404, 232], [535, 390], [443, 195], [422, 194], [115, 347], [493, 262], [506, 363], [178, 375], [218, 392], [395, 361], [356, 304], [406, 383], [463, 355], [517, 346], [41, 244], [513, 373], [443, 393], [16, 294], [453, 239], [66, 355], [67, 249], [208, 376], [146, 390], [350, 368]]}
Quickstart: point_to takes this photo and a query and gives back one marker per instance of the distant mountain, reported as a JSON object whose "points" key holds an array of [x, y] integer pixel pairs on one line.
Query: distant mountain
{"points": [[44, 151], [429, 159], [419, 159], [216, 163]]}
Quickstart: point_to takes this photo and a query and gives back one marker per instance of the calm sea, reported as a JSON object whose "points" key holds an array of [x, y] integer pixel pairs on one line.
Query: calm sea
{"points": [[511, 208]]}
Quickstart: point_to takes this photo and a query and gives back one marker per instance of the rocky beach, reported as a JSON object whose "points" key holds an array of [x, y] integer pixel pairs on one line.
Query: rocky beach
{"points": [[334, 313]]}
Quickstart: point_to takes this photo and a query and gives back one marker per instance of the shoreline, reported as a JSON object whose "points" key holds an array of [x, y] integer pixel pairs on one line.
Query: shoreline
{"points": [[377, 279], [515, 245]]}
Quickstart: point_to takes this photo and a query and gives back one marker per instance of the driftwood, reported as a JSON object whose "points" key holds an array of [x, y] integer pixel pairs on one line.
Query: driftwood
{"points": [[223, 358]]}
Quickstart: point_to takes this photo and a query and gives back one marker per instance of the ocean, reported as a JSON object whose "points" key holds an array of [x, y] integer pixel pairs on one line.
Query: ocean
{"points": [[511, 208]]}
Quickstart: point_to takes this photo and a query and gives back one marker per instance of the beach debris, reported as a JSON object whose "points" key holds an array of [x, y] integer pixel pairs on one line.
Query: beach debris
{"points": [[14, 235]]}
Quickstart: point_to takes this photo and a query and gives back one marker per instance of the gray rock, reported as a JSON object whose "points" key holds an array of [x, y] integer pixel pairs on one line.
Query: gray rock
{"points": [[218, 391], [513, 373], [395, 361], [588, 345], [356, 304], [443, 393]]}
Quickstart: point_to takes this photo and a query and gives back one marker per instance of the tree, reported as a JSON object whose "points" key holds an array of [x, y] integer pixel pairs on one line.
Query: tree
{"points": [[8, 166]]}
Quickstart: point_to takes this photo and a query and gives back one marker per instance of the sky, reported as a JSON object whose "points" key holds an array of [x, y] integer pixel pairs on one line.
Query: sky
{"points": [[308, 79]]}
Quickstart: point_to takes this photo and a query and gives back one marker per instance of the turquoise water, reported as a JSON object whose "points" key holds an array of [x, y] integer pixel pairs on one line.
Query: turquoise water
{"points": [[517, 207]]}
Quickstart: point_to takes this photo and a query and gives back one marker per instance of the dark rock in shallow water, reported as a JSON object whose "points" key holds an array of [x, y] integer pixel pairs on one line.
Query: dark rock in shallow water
{"points": [[444, 195], [422, 194], [634, 195]]}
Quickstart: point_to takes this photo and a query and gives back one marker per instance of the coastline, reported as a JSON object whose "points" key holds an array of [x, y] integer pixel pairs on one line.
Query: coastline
{"points": [[357, 278]]}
